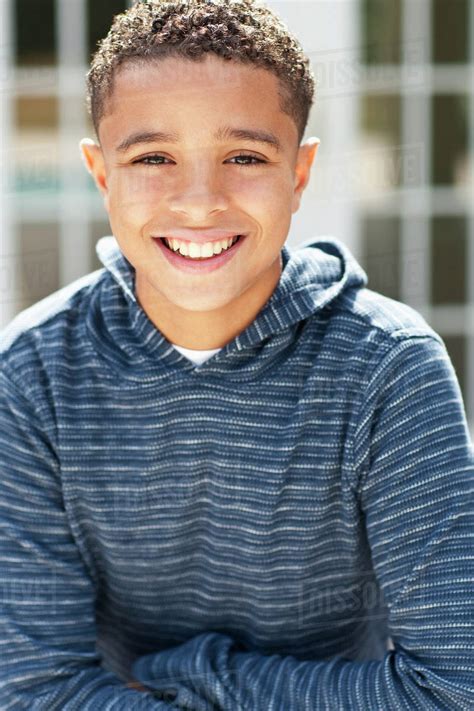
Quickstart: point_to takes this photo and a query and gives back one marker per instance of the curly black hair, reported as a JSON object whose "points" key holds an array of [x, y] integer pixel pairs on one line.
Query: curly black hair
{"points": [[243, 30]]}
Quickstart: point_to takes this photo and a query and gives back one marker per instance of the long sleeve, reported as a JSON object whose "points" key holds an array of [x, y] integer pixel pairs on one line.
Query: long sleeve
{"points": [[47, 625], [415, 472]]}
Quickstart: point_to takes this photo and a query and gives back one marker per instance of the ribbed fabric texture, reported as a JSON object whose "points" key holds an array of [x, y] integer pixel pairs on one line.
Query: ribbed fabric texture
{"points": [[245, 534]]}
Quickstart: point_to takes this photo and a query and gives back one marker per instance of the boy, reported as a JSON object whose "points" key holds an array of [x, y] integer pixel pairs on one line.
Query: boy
{"points": [[228, 476]]}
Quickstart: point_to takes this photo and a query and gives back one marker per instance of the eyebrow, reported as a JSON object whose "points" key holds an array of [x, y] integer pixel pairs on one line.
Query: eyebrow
{"points": [[222, 134]]}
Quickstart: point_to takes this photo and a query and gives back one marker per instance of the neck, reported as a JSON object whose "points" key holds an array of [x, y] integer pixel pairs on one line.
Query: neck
{"points": [[206, 330]]}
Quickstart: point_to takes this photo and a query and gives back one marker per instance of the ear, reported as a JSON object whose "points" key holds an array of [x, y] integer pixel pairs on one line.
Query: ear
{"points": [[93, 159], [304, 161]]}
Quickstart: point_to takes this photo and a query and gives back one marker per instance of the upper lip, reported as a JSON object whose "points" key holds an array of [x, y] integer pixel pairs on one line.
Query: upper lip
{"points": [[200, 236]]}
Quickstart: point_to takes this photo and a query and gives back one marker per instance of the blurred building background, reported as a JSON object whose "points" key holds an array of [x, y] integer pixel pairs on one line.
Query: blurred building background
{"points": [[393, 178]]}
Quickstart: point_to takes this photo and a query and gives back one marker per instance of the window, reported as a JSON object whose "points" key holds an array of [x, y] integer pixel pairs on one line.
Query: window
{"points": [[449, 260], [450, 46], [449, 146], [381, 254], [100, 16], [381, 21], [380, 124], [417, 239], [39, 267], [35, 32]]}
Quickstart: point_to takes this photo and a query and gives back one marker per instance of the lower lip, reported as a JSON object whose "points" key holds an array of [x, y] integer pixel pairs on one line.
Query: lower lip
{"points": [[198, 266]]}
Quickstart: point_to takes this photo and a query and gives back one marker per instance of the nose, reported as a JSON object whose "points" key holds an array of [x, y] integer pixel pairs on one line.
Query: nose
{"points": [[198, 193]]}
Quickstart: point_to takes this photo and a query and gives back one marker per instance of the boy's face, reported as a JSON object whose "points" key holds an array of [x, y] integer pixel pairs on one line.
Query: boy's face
{"points": [[197, 184]]}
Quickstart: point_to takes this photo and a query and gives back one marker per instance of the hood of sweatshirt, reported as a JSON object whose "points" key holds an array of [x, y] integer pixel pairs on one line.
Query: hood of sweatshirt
{"points": [[314, 275]]}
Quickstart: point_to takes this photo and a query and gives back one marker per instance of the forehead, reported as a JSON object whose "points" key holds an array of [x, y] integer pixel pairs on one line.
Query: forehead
{"points": [[195, 97]]}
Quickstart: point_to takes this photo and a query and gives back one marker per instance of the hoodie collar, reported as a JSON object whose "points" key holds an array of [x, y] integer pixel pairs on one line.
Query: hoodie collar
{"points": [[313, 275]]}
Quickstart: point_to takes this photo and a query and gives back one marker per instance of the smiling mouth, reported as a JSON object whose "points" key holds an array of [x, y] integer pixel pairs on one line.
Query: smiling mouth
{"points": [[199, 258]]}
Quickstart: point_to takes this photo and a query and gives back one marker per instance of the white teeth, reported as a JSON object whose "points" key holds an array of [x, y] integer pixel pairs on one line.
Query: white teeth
{"points": [[196, 251]]}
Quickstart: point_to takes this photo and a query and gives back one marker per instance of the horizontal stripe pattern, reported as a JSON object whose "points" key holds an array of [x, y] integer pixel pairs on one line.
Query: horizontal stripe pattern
{"points": [[287, 525]]}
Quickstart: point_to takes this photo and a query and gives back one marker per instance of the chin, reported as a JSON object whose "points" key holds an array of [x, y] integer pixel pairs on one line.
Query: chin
{"points": [[201, 303]]}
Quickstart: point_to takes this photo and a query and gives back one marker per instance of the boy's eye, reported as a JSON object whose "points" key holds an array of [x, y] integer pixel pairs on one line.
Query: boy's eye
{"points": [[248, 156], [149, 160], [152, 160]]}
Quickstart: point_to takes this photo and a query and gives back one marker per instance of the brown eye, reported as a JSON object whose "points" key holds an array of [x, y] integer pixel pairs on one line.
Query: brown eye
{"points": [[150, 160], [248, 156]]}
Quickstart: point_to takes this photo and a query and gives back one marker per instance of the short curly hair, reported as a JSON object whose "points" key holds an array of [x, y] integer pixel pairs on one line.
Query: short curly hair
{"points": [[243, 30]]}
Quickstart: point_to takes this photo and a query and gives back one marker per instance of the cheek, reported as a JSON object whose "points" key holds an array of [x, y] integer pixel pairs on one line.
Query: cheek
{"points": [[270, 202], [134, 187], [132, 195], [262, 192]]}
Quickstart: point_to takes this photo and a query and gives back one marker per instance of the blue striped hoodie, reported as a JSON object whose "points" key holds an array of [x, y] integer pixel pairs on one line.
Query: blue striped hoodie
{"points": [[287, 526]]}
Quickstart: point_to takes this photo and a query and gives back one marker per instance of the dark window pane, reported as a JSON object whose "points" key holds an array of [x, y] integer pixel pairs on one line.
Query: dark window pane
{"points": [[380, 256], [448, 260], [381, 116], [456, 347], [450, 31], [450, 139], [39, 271], [35, 32], [36, 112], [100, 16], [380, 122], [381, 22]]}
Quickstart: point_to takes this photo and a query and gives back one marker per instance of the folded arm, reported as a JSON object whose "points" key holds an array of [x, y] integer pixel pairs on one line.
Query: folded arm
{"points": [[48, 660], [415, 465]]}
